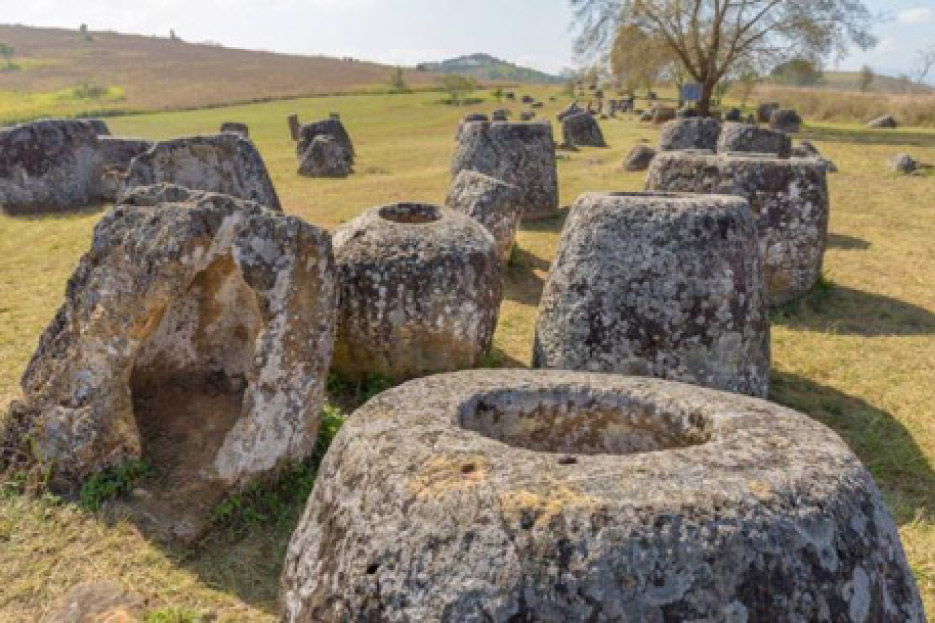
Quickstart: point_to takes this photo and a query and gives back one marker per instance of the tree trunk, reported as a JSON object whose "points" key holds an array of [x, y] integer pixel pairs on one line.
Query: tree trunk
{"points": [[707, 93]]}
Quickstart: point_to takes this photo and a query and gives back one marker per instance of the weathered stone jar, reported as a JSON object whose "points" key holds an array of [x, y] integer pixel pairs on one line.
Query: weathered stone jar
{"points": [[196, 333], [789, 197], [663, 285], [555, 496], [521, 154], [492, 203], [690, 133], [420, 292], [582, 130], [744, 137]]}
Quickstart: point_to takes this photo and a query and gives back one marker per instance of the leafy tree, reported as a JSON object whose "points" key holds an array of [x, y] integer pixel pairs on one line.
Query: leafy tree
{"points": [[800, 72], [866, 78], [398, 81], [458, 87], [711, 37], [638, 59], [7, 52]]}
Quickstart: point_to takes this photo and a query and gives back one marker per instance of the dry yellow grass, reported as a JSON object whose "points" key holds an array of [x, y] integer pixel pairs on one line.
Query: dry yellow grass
{"points": [[859, 355], [852, 106]]}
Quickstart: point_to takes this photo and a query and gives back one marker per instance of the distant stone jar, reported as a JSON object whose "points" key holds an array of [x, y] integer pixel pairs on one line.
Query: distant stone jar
{"points": [[582, 130], [492, 203], [196, 333], [521, 154], [662, 285], [325, 157], [743, 137], [785, 120], [690, 133], [789, 198], [420, 292], [236, 128], [327, 127], [554, 496]]}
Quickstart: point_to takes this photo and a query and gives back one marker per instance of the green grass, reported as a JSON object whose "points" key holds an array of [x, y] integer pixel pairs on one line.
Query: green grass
{"points": [[858, 354], [81, 100]]}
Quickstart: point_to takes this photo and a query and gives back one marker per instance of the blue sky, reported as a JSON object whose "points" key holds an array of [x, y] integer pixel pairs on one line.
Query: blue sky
{"points": [[531, 32]]}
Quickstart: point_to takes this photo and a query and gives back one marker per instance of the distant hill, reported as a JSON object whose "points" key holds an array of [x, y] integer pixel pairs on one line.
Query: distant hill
{"points": [[134, 72], [486, 67]]}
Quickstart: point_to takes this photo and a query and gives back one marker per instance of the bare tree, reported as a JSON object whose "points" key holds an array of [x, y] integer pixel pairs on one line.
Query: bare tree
{"points": [[925, 62], [710, 36]]}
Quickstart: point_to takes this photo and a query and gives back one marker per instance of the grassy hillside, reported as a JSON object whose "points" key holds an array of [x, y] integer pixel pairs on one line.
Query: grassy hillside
{"points": [[850, 81], [486, 67], [858, 354], [54, 67]]}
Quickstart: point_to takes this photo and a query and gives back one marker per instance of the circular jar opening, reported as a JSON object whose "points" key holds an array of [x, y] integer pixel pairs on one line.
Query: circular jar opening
{"points": [[575, 420], [411, 213], [653, 195]]}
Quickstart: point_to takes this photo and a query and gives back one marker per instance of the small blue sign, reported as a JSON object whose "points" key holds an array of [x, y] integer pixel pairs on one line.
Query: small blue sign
{"points": [[691, 92]]}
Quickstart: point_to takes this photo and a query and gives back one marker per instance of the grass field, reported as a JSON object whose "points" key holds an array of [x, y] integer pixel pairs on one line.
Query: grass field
{"points": [[858, 354]]}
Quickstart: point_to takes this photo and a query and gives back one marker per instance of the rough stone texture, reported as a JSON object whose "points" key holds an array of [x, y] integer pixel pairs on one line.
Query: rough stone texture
{"points": [[499, 115], [100, 128], [48, 166], [491, 203], [221, 163], [582, 130], [511, 495], [806, 149], [886, 122], [902, 163], [295, 128], [789, 197], [785, 120], [639, 158], [196, 333], [527, 116], [521, 154], [420, 292], [743, 137], [690, 133], [571, 109], [662, 114], [658, 285], [325, 157], [327, 127], [116, 154], [98, 602], [764, 112], [236, 128]]}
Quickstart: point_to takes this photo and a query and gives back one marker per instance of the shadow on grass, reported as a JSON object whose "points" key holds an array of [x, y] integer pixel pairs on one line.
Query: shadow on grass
{"points": [[868, 137], [847, 243], [522, 283], [883, 444], [840, 310]]}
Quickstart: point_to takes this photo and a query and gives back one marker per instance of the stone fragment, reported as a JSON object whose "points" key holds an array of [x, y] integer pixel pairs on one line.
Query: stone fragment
{"points": [[236, 128], [662, 285], [806, 149], [500, 115], [116, 154], [325, 157], [639, 158], [582, 130], [744, 137], [328, 127], [491, 203], [520, 154], [886, 122], [785, 120], [527, 116], [902, 163], [789, 198], [196, 334], [222, 163], [420, 292], [690, 133], [552, 496]]}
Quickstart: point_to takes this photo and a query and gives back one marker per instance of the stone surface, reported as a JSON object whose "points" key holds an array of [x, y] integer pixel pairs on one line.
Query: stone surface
{"points": [[527, 116], [98, 602], [743, 137], [639, 158], [886, 122], [582, 130], [48, 166], [499, 115], [902, 163], [661, 285], [295, 128], [662, 114], [785, 120], [521, 154], [492, 203], [508, 495], [690, 133], [196, 333], [420, 292], [327, 127], [223, 163], [764, 112], [571, 109], [325, 157], [789, 197], [116, 154], [100, 127], [236, 128], [806, 149]]}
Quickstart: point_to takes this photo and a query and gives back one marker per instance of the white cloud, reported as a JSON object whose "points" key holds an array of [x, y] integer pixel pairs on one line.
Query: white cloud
{"points": [[919, 15]]}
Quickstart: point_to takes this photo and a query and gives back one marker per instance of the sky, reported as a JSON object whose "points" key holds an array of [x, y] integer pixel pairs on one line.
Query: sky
{"points": [[535, 33]]}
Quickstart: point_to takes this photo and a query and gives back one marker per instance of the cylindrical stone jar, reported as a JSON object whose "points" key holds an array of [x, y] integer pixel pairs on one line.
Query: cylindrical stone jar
{"points": [[748, 138], [662, 285], [420, 292], [490, 202], [554, 496], [789, 197], [521, 154]]}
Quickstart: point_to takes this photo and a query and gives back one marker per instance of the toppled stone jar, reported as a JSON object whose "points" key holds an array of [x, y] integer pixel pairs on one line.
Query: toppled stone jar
{"points": [[223, 163], [331, 127], [196, 334], [789, 197], [555, 496], [582, 130], [420, 292], [662, 285], [492, 203], [521, 154]]}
